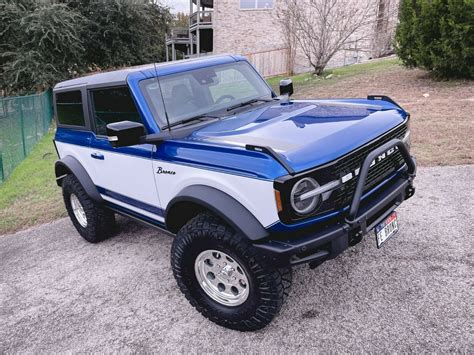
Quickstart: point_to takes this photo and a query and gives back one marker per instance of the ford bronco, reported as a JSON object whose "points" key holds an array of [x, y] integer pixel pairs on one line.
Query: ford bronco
{"points": [[249, 183]]}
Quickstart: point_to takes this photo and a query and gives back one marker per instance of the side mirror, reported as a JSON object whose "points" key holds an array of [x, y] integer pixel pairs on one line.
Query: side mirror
{"points": [[125, 133], [286, 87]]}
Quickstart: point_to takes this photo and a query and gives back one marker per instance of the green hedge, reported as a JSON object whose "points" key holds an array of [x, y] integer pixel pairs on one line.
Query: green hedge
{"points": [[437, 35], [43, 42]]}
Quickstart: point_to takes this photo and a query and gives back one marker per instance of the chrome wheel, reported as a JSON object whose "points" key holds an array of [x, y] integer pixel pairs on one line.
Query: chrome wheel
{"points": [[221, 277], [78, 211]]}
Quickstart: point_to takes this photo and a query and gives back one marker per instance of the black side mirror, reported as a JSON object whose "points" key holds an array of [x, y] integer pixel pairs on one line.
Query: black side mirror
{"points": [[125, 133], [286, 87]]}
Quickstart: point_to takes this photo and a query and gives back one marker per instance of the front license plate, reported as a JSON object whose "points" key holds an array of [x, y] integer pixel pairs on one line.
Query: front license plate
{"points": [[386, 229]]}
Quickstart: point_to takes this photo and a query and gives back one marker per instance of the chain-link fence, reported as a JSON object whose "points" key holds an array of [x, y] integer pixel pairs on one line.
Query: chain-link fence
{"points": [[23, 121]]}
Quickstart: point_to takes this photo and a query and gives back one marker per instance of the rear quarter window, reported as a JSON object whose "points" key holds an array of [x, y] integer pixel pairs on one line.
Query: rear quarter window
{"points": [[69, 108]]}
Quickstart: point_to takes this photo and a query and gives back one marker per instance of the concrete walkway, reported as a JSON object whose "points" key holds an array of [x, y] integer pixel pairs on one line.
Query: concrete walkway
{"points": [[59, 293]]}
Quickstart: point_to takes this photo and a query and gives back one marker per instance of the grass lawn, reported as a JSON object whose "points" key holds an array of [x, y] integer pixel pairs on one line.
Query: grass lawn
{"points": [[442, 131], [30, 195], [442, 111], [336, 74]]}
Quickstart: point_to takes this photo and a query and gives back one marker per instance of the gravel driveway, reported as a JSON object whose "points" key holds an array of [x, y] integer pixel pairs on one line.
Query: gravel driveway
{"points": [[59, 293]]}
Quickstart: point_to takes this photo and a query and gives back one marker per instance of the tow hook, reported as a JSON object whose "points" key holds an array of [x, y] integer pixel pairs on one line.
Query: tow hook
{"points": [[409, 192], [355, 239]]}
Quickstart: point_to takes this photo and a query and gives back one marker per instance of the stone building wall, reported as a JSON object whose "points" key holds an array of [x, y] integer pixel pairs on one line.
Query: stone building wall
{"points": [[244, 31], [255, 33], [250, 32]]}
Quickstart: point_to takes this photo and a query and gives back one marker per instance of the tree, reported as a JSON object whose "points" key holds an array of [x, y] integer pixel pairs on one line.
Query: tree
{"points": [[323, 27], [46, 41], [437, 35], [385, 23], [40, 45], [181, 20], [123, 32], [287, 27]]}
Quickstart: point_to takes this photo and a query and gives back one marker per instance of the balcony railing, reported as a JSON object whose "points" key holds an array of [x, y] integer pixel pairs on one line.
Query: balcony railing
{"points": [[202, 54], [201, 17], [177, 34]]}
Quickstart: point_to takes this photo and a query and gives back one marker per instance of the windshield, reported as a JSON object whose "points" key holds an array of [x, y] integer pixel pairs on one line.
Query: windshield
{"points": [[203, 91]]}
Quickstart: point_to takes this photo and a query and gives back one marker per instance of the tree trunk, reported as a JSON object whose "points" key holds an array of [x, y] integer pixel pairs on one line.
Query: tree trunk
{"points": [[320, 65], [318, 69]]}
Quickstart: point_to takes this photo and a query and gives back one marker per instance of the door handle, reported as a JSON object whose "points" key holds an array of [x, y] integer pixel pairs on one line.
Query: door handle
{"points": [[97, 156]]}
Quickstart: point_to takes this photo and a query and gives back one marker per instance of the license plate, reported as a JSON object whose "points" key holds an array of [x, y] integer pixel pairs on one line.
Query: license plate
{"points": [[386, 229]]}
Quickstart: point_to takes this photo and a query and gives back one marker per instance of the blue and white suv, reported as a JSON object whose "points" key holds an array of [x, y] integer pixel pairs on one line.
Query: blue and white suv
{"points": [[248, 182]]}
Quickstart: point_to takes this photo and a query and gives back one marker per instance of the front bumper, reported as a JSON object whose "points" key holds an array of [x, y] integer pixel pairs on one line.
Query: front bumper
{"points": [[328, 241]]}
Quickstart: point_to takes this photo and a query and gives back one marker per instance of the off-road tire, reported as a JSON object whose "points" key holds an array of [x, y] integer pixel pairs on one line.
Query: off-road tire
{"points": [[100, 221], [268, 286]]}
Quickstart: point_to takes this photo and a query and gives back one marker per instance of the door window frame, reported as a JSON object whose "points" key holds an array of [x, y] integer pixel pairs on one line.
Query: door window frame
{"points": [[91, 108]]}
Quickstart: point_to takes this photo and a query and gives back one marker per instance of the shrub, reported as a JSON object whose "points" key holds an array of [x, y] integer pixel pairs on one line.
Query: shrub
{"points": [[123, 32], [437, 35], [46, 41], [42, 46]]}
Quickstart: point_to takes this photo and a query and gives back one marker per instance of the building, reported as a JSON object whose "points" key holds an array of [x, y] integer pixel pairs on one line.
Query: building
{"points": [[250, 28]]}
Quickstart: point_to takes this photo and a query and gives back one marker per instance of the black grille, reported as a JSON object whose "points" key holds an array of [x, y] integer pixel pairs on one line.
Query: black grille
{"points": [[377, 172]]}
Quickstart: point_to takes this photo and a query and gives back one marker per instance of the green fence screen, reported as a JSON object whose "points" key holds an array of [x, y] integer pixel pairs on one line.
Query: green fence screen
{"points": [[23, 121]]}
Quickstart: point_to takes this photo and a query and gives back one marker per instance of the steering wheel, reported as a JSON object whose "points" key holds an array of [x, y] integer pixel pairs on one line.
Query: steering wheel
{"points": [[224, 97]]}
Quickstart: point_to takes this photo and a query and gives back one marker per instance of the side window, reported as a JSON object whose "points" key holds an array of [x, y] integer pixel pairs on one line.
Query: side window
{"points": [[69, 108], [113, 105]]}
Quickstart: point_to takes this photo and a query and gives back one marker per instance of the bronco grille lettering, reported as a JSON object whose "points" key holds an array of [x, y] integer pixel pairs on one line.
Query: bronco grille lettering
{"points": [[377, 160]]}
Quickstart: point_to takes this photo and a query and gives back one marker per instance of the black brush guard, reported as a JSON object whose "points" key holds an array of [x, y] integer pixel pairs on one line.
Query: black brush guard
{"points": [[328, 242]]}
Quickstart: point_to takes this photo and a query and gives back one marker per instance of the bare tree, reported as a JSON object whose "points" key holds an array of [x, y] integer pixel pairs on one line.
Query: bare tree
{"points": [[323, 27], [386, 20], [289, 36]]}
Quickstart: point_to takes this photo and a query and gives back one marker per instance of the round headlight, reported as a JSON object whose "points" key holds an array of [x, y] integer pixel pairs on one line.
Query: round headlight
{"points": [[307, 205]]}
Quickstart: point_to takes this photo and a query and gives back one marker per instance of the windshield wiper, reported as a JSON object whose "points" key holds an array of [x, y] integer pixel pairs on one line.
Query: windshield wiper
{"points": [[191, 119], [246, 103]]}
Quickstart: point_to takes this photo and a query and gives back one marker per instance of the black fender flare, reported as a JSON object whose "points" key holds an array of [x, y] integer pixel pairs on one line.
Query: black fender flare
{"points": [[70, 165], [221, 204]]}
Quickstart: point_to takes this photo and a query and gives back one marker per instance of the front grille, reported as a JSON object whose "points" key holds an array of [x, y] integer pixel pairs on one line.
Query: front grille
{"points": [[377, 173]]}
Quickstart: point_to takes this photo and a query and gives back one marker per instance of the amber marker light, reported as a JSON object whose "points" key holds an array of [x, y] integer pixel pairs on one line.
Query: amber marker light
{"points": [[278, 200]]}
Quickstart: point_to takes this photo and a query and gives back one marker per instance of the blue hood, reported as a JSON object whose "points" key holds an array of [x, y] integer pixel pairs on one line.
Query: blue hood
{"points": [[306, 133]]}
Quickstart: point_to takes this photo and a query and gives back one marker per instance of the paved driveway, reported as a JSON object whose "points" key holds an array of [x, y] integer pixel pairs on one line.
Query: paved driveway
{"points": [[59, 293]]}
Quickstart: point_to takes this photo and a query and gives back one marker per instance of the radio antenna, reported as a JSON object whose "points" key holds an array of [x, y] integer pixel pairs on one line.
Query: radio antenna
{"points": [[162, 97]]}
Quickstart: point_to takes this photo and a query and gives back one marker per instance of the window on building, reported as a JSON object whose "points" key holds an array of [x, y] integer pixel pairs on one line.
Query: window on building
{"points": [[113, 105], [69, 108], [256, 4]]}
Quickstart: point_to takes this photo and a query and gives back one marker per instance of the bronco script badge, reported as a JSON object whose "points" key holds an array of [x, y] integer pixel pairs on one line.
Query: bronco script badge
{"points": [[163, 171]]}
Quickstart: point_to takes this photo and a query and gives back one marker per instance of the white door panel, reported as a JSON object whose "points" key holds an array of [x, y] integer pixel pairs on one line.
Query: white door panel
{"points": [[127, 175]]}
